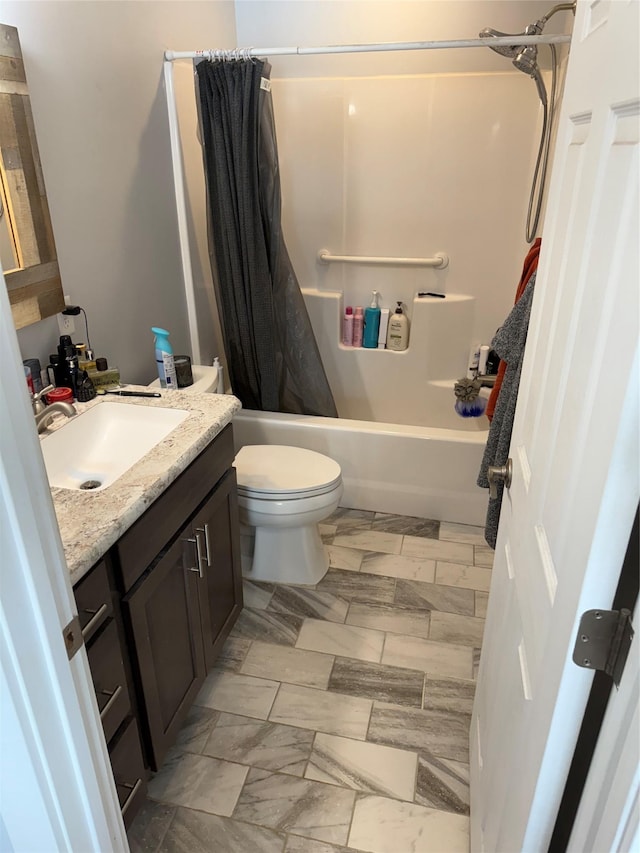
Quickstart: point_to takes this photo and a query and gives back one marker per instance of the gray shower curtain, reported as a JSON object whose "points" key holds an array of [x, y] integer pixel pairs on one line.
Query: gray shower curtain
{"points": [[272, 356]]}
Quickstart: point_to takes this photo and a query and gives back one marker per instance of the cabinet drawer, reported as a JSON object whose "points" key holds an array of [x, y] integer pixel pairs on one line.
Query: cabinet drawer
{"points": [[129, 772], [109, 679], [93, 600]]}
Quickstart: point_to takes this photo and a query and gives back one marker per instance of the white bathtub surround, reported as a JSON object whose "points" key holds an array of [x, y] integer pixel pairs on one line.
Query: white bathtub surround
{"points": [[412, 387], [389, 468]]}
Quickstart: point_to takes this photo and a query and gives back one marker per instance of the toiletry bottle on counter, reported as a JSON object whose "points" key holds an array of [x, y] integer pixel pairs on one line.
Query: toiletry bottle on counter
{"points": [[347, 327], [164, 359], [104, 377], [219, 379], [371, 323], [398, 334], [358, 325]]}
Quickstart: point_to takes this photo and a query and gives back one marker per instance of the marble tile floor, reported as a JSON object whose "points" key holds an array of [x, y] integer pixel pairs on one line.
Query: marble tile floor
{"points": [[337, 717]]}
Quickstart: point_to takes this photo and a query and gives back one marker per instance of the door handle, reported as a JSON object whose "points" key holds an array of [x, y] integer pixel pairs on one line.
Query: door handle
{"points": [[205, 530], [96, 617], [199, 558], [499, 474], [113, 696]]}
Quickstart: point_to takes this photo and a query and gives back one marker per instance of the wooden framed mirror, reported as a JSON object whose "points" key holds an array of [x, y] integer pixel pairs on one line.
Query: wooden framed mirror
{"points": [[27, 247]]}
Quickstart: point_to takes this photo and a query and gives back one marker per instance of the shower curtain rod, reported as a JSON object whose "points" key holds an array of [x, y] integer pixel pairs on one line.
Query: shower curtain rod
{"points": [[249, 52]]}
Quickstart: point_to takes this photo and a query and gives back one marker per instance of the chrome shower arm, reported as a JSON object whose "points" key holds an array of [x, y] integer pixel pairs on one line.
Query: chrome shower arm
{"points": [[561, 7]]}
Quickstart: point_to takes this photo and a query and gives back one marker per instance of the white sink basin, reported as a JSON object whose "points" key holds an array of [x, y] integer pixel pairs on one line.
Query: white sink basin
{"points": [[90, 451]]}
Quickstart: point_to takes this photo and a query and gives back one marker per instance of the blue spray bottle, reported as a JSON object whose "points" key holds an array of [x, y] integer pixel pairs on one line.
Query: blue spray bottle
{"points": [[164, 359], [371, 323]]}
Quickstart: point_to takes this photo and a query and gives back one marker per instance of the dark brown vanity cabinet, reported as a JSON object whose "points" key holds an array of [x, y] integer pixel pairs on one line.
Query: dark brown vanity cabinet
{"points": [[156, 611], [184, 602]]}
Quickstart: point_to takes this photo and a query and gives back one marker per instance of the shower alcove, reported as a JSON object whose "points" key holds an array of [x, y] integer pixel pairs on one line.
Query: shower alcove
{"points": [[405, 156]]}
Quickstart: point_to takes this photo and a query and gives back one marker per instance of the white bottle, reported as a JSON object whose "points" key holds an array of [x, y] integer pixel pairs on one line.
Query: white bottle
{"points": [[398, 334], [220, 382], [482, 362], [474, 361]]}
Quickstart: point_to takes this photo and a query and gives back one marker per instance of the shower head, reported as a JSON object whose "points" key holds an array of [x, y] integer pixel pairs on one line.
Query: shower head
{"points": [[525, 58], [527, 61], [509, 50]]}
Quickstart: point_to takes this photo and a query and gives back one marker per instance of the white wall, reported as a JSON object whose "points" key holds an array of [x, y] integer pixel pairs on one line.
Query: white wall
{"points": [[404, 154], [95, 78]]}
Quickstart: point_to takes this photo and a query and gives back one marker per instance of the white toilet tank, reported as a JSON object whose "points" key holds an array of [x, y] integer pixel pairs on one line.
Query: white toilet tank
{"points": [[205, 380]]}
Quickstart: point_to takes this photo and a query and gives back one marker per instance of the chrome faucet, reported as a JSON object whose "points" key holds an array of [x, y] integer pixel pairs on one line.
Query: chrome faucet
{"points": [[43, 418]]}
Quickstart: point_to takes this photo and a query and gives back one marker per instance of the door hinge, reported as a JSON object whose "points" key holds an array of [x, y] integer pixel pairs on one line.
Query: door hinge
{"points": [[72, 635], [603, 641]]}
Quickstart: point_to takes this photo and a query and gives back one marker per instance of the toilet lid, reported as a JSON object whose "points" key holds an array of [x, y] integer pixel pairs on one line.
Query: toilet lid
{"points": [[272, 469]]}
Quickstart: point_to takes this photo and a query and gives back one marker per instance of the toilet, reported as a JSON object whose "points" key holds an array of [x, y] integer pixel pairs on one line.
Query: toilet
{"points": [[283, 493]]}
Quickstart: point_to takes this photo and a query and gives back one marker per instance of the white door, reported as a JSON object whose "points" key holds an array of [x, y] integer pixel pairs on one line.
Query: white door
{"points": [[56, 786], [566, 519], [608, 817]]}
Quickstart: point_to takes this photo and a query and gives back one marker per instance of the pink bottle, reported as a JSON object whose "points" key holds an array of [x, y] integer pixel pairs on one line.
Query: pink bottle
{"points": [[347, 327], [358, 324]]}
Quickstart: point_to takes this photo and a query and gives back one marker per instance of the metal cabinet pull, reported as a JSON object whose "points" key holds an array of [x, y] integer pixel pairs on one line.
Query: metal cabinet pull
{"points": [[199, 558], [95, 619], [114, 694], [134, 790], [499, 474], [205, 530]]}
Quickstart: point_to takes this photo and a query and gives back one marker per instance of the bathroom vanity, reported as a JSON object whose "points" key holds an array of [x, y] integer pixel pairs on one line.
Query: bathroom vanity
{"points": [[157, 584]]}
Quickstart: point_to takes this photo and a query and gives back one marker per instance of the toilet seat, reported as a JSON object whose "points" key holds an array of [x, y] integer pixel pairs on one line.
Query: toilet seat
{"points": [[276, 472]]}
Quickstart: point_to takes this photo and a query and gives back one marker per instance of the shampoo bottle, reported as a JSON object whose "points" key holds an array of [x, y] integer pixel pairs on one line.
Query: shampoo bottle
{"points": [[358, 323], [398, 334], [347, 327], [164, 359], [371, 323]]}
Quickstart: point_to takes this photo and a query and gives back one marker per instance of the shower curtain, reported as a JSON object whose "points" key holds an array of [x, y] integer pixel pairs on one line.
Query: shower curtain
{"points": [[272, 355]]}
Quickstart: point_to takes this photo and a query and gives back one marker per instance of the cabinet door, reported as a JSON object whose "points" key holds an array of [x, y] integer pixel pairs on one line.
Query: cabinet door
{"points": [[217, 532], [165, 621]]}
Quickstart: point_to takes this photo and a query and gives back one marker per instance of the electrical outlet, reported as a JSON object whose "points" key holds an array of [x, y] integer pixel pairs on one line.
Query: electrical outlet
{"points": [[66, 324]]}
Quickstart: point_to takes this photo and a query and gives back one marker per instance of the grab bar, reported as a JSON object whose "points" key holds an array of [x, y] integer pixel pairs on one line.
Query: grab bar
{"points": [[440, 261]]}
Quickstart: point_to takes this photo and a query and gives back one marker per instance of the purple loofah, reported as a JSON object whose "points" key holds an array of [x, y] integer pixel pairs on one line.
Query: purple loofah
{"points": [[473, 409]]}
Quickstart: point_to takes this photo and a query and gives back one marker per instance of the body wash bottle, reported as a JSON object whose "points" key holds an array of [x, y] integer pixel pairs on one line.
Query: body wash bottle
{"points": [[347, 327], [398, 335], [358, 323], [371, 323], [164, 359]]}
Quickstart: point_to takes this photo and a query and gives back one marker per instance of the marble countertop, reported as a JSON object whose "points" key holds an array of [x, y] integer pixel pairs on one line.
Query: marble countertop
{"points": [[91, 522]]}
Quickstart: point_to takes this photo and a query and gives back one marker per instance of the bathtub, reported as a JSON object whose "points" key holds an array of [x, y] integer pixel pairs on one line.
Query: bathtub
{"points": [[427, 472]]}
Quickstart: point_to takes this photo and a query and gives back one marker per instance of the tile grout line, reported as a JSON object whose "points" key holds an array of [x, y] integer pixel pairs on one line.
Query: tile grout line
{"points": [[158, 848]]}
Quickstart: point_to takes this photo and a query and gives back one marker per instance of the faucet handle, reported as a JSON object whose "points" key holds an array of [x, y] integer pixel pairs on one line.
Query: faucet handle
{"points": [[36, 399], [38, 394]]}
